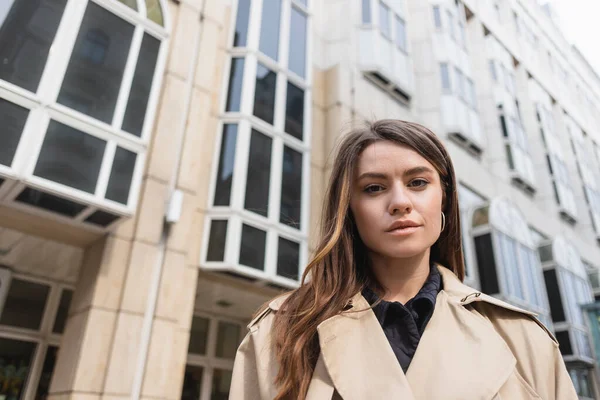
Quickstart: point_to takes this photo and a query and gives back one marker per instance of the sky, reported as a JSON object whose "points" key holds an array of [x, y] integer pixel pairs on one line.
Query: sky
{"points": [[581, 26]]}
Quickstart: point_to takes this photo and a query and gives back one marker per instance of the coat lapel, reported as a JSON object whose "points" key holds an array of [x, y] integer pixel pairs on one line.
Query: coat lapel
{"points": [[358, 357]]}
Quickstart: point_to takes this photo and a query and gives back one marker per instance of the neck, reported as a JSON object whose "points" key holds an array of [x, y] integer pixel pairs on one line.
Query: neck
{"points": [[400, 278]]}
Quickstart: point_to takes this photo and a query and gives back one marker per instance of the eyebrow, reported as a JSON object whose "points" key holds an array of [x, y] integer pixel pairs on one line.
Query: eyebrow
{"points": [[408, 172]]}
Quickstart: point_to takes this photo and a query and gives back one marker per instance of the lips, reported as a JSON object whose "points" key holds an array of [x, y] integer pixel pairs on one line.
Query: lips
{"points": [[399, 225]]}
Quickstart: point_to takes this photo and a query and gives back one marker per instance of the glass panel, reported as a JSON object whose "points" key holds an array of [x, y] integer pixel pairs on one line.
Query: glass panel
{"points": [[297, 56], [216, 241], [27, 30], [70, 157], [234, 90], [192, 383], [252, 250], [119, 183], [63, 311], [269, 32], [445, 74], [240, 36], [13, 119], [25, 304], [43, 388], [101, 218], [291, 188], [228, 339], [264, 93], [259, 173], [135, 113], [50, 202], [366, 11], [384, 20], [154, 12], [288, 259], [220, 385], [130, 3], [93, 78], [226, 164], [198, 335], [16, 358], [294, 111], [400, 33], [437, 17]]}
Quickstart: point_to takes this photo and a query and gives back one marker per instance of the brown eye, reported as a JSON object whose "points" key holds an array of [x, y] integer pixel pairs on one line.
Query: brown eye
{"points": [[373, 189], [418, 183]]}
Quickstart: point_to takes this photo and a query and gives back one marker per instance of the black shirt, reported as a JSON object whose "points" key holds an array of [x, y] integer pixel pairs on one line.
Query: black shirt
{"points": [[403, 325]]}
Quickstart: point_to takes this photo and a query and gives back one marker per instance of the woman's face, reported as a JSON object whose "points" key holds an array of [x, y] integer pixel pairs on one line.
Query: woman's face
{"points": [[396, 201]]}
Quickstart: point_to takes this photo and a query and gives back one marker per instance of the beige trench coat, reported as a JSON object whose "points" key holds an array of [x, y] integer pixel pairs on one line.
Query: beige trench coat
{"points": [[474, 347]]}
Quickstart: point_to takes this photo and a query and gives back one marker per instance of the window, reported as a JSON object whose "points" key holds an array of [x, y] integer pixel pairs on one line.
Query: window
{"points": [[212, 348], [258, 202], [24, 341], [90, 101], [240, 36], [445, 75], [450, 19], [460, 89], [437, 17], [384, 20], [468, 200], [400, 33], [517, 274], [366, 11], [493, 72]]}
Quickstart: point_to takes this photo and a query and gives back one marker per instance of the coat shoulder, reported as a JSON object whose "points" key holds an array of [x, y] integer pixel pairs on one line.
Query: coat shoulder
{"points": [[260, 318], [513, 320]]}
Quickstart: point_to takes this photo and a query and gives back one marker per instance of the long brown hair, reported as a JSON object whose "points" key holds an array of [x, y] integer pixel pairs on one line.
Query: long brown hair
{"points": [[339, 269]]}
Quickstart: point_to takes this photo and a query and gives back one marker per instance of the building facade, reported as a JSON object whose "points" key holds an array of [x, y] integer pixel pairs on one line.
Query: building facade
{"points": [[163, 165]]}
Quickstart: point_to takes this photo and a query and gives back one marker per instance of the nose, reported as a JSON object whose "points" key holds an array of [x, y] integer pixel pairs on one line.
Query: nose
{"points": [[400, 202]]}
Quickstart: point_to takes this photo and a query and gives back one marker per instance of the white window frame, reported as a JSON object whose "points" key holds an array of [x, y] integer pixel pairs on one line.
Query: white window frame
{"points": [[42, 338], [43, 107], [235, 213], [209, 362]]}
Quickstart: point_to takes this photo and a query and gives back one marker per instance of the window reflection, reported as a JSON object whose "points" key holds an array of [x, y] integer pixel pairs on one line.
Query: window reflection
{"points": [[259, 173], [252, 251], [13, 119], [294, 111], [240, 36], [297, 56], [264, 94], [121, 175], [291, 188], [192, 383], [70, 157], [16, 357], [269, 29], [226, 164], [139, 94], [24, 52], [25, 304], [288, 259], [93, 79]]}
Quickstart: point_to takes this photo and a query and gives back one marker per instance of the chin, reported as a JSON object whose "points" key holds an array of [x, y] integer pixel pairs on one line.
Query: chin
{"points": [[403, 251]]}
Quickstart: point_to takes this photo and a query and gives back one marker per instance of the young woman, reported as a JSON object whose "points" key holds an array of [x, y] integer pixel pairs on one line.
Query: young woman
{"points": [[386, 278]]}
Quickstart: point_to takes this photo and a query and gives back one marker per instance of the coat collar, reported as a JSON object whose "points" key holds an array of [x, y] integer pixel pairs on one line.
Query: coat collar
{"points": [[453, 360]]}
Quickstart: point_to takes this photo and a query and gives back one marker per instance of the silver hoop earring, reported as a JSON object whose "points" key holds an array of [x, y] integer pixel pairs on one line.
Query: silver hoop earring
{"points": [[443, 222]]}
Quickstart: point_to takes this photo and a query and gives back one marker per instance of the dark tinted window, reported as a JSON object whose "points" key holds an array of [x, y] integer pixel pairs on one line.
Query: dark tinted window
{"points": [[135, 113], [216, 241], [93, 78], [264, 93], [119, 183], [556, 306], [252, 250], [288, 259], [486, 264], [63, 311], [294, 111], [13, 119], [234, 91], [47, 371], [259, 174], [49, 202], [192, 383], [70, 157], [26, 35], [198, 335], [564, 343], [25, 304], [16, 356], [291, 188], [101, 218], [226, 164]]}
